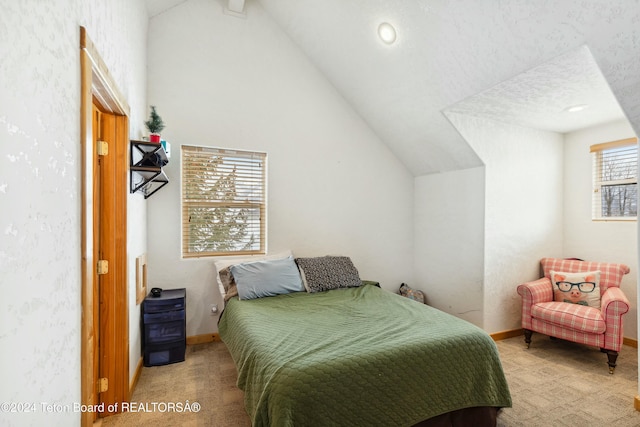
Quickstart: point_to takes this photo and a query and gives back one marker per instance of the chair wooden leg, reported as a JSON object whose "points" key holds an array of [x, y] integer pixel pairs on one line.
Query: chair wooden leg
{"points": [[527, 337], [612, 356]]}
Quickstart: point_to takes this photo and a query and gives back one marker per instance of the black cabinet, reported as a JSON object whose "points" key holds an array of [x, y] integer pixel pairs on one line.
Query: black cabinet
{"points": [[164, 333], [145, 171]]}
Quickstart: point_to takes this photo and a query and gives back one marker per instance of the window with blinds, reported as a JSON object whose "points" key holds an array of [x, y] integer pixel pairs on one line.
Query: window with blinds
{"points": [[223, 202], [615, 179]]}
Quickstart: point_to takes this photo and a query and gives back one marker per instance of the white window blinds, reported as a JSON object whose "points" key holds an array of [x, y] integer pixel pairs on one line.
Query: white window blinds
{"points": [[615, 179], [223, 202]]}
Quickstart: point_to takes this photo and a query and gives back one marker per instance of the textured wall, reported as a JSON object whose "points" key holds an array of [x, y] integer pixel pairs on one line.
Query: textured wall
{"points": [[333, 187], [40, 188], [40, 208], [523, 210], [449, 241]]}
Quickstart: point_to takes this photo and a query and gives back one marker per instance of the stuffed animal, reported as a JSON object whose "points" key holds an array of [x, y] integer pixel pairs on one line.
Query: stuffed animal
{"points": [[414, 294]]}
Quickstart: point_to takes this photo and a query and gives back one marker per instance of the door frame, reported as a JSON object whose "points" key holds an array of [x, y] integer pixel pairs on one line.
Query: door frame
{"points": [[97, 86]]}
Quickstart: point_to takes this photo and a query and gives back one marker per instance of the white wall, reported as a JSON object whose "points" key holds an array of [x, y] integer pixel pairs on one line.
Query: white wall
{"points": [[523, 210], [449, 241], [333, 187], [607, 241], [40, 188]]}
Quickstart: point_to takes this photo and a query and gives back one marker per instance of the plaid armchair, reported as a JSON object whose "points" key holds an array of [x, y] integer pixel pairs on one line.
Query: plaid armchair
{"points": [[599, 327]]}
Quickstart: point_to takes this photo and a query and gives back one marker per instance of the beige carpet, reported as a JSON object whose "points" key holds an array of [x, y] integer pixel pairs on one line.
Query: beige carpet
{"points": [[559, 383], [554, 383], [207, 377]]}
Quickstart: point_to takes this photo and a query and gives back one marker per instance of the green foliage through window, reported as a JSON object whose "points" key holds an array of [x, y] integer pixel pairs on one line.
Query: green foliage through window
{"points": [[223, 201]]}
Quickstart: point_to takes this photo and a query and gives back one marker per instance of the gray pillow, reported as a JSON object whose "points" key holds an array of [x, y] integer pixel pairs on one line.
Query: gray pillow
{"points": [[266, 278], [328, 272]]}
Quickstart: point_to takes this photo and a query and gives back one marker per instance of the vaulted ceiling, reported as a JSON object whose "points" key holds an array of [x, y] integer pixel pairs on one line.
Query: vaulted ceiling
{"points": [[519, 61]]}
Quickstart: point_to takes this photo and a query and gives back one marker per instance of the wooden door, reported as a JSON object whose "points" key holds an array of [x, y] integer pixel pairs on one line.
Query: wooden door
{"points": [[111, 309], [105, 332], [95, 312]]}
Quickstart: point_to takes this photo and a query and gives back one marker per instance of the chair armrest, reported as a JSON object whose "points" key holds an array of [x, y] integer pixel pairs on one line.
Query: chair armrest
{"points": [[537, 291], [613, 303]]}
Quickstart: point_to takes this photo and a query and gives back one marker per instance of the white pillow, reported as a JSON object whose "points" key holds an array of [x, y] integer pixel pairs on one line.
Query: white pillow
{"points": [[228, 262]]}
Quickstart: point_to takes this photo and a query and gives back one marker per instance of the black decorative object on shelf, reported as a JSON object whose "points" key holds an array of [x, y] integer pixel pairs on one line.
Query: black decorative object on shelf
{"points": [[145, 172]]}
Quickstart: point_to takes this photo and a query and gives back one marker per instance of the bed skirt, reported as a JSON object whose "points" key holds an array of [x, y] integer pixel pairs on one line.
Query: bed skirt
{"points": [[480, 416]]}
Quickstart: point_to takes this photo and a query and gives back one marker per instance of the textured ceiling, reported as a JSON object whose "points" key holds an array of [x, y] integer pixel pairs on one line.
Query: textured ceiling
{"points": [[519, 61], [539, 97], [450, 50]]}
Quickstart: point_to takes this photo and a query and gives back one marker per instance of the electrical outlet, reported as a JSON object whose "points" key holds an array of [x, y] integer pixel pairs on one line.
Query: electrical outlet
{"points": [[214, 309]]}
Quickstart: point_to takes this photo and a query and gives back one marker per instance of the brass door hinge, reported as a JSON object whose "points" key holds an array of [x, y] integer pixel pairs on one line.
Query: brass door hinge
{"points": [[103, 266], [102, 148], [103, 385]]}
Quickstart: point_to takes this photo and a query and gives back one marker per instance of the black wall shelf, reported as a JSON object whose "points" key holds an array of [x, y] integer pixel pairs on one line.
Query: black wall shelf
{"points": [[145, 171]]}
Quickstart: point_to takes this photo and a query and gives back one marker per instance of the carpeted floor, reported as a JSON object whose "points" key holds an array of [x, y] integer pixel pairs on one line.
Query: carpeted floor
{"points": [[554, 383], [207, 378], [559, 383]]}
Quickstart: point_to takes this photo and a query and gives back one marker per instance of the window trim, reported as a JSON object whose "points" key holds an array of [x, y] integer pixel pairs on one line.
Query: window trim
{"points": [[596, 204], [261, 204]]}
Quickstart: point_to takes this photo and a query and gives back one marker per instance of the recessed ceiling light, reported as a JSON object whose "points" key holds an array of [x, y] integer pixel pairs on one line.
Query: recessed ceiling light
{"points": [[387, 33], [576, 108]]}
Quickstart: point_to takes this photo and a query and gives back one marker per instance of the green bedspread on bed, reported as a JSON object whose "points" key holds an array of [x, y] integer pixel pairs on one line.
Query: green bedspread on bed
{"points": [[357, 357]]}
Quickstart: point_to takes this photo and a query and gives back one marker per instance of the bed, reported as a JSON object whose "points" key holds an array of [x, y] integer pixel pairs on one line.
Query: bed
{"points": [[360, 355]]}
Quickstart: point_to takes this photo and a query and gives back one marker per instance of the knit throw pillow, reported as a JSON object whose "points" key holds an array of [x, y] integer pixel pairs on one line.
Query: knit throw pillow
{"points": [[328, 272]]}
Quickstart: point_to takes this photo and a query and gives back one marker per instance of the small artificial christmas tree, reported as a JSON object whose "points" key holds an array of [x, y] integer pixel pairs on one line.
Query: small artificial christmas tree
{"points": [[154, 125]]}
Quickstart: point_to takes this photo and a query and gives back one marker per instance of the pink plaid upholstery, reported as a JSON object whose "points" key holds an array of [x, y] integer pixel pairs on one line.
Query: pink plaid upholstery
{"points": [[571, 316], [587, 325], [610, 274]]}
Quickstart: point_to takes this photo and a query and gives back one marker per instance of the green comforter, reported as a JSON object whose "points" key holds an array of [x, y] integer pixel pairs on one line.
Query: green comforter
{"points": [[357, 357]]}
